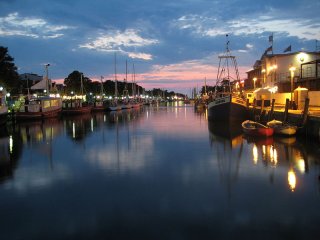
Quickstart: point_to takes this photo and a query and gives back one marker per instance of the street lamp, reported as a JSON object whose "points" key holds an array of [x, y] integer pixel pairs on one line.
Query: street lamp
{"points": [[254, 83], [292, 69]]}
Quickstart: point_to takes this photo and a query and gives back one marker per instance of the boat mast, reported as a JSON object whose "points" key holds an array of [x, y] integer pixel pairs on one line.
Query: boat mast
{"points": [[47, 79], [101, 90], [81, 85], [115, 78], [223, 69]]}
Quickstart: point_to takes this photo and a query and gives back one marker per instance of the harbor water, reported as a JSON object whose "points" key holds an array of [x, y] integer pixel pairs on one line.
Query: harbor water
{"points": [[159, 172]]}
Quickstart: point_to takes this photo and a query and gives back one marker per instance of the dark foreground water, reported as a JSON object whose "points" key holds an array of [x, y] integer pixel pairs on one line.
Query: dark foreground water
{"points": [[155, 173]]}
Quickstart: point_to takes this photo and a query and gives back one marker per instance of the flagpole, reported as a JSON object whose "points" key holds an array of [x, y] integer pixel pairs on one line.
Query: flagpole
{"points": [[271, 40]]}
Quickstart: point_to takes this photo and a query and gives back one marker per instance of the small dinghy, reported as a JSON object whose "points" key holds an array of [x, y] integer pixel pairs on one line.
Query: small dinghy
{"points": [[282, 128], [256, 129]]}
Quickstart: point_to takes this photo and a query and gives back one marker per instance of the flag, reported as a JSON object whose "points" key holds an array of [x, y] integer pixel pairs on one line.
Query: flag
{"points": [[288, 49], [271, 38], [267, 50]]}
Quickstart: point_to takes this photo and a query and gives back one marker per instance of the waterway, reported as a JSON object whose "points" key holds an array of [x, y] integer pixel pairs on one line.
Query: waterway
{"points": [[160, 172]]}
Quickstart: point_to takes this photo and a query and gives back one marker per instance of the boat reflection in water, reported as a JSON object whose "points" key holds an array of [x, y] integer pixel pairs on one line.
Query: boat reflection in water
{"points": [[10, 151], [274, 156]]}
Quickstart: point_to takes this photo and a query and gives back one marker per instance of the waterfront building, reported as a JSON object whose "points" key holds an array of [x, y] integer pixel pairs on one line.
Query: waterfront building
{"points": [[280, 70]]}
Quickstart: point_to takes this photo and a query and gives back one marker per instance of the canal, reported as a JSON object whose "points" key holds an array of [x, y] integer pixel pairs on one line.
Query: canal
{"points": [[161, 172]]}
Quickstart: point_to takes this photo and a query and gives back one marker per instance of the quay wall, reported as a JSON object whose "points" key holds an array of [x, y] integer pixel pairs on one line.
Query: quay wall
{"points": [[310, 130]]}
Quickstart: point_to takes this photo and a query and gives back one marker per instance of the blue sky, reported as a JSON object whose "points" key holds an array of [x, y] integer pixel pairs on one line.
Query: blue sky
{"points": [[172, 44]]}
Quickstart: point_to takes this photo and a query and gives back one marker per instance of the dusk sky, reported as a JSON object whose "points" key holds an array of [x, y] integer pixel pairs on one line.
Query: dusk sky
{"points": [[173, 44]]}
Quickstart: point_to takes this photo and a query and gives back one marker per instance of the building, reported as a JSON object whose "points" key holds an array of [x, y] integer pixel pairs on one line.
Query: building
{"points": [[286, 71]]}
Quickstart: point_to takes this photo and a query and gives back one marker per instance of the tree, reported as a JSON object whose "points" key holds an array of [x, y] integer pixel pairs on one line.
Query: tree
{"points": [[73, 82], [9, 77]]}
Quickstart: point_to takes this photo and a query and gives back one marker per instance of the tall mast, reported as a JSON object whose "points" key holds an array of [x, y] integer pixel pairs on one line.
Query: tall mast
{"points": [[101, 86], [205, 86], [115, 78], [47, 78], [81, 86]]}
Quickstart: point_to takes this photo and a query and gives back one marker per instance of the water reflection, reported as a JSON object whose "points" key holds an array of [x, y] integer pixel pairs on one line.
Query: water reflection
{"points": [[10, 151], [275, 154], [154, 173]]}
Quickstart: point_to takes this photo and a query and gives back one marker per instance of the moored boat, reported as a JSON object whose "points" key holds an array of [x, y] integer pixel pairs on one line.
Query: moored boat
{"points": [[75, 106], [282, 128], [40, 107], [256, 129], [226, 104]]}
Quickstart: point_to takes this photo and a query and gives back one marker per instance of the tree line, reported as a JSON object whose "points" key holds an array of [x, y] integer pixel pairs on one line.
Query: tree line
{"points": [[10, 80]]}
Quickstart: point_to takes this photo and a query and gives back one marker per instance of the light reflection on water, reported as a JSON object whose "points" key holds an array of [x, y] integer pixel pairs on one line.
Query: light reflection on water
{"points": [[156, 173]]}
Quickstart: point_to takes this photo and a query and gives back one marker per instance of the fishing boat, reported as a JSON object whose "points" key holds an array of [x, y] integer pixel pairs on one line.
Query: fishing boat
{"points": [[76, 106], [226, 103], [256, 129], [39, 107], [282, 128]]}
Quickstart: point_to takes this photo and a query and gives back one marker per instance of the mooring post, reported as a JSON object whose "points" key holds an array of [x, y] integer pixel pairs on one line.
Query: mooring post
{"points": [[286, 109], [305, 112], [270, 116]]}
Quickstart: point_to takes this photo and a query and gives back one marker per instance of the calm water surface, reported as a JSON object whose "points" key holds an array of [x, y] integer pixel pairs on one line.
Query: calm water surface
{"points": [[154, 173]]}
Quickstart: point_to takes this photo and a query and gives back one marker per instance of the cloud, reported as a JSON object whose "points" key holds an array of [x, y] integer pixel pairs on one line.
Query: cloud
{"points": [[15, 25], [272, 21], [121, 41]]}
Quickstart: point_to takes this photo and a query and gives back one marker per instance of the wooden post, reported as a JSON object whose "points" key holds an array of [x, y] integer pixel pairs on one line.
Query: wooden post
{"points": [[270, 116], [305, 112], [286, 109]]}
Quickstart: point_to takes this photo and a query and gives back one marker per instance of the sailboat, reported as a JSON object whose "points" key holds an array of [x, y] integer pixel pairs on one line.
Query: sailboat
{"points": [[98, 104], [114, 105], [225, 104], [126, 104], [42, 106], [76, 106], [135, 103]]}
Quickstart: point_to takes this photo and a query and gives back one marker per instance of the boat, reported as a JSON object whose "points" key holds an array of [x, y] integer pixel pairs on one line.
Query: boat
{"points": [[39, 107], [226, 103], [76, 106], [3, 107], [113, 105], [256, 129], [282, 128]]}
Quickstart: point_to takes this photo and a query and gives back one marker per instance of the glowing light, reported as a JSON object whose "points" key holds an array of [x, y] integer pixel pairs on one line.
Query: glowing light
{"points": [[301, 165], [255, 154], [292, 180], [73, 130], [302, 57], [10, 144], [275, 157]]}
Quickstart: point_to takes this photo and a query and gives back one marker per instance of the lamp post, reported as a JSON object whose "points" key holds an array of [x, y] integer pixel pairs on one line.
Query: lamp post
{"points": [[291, 69], [254, 83]]}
